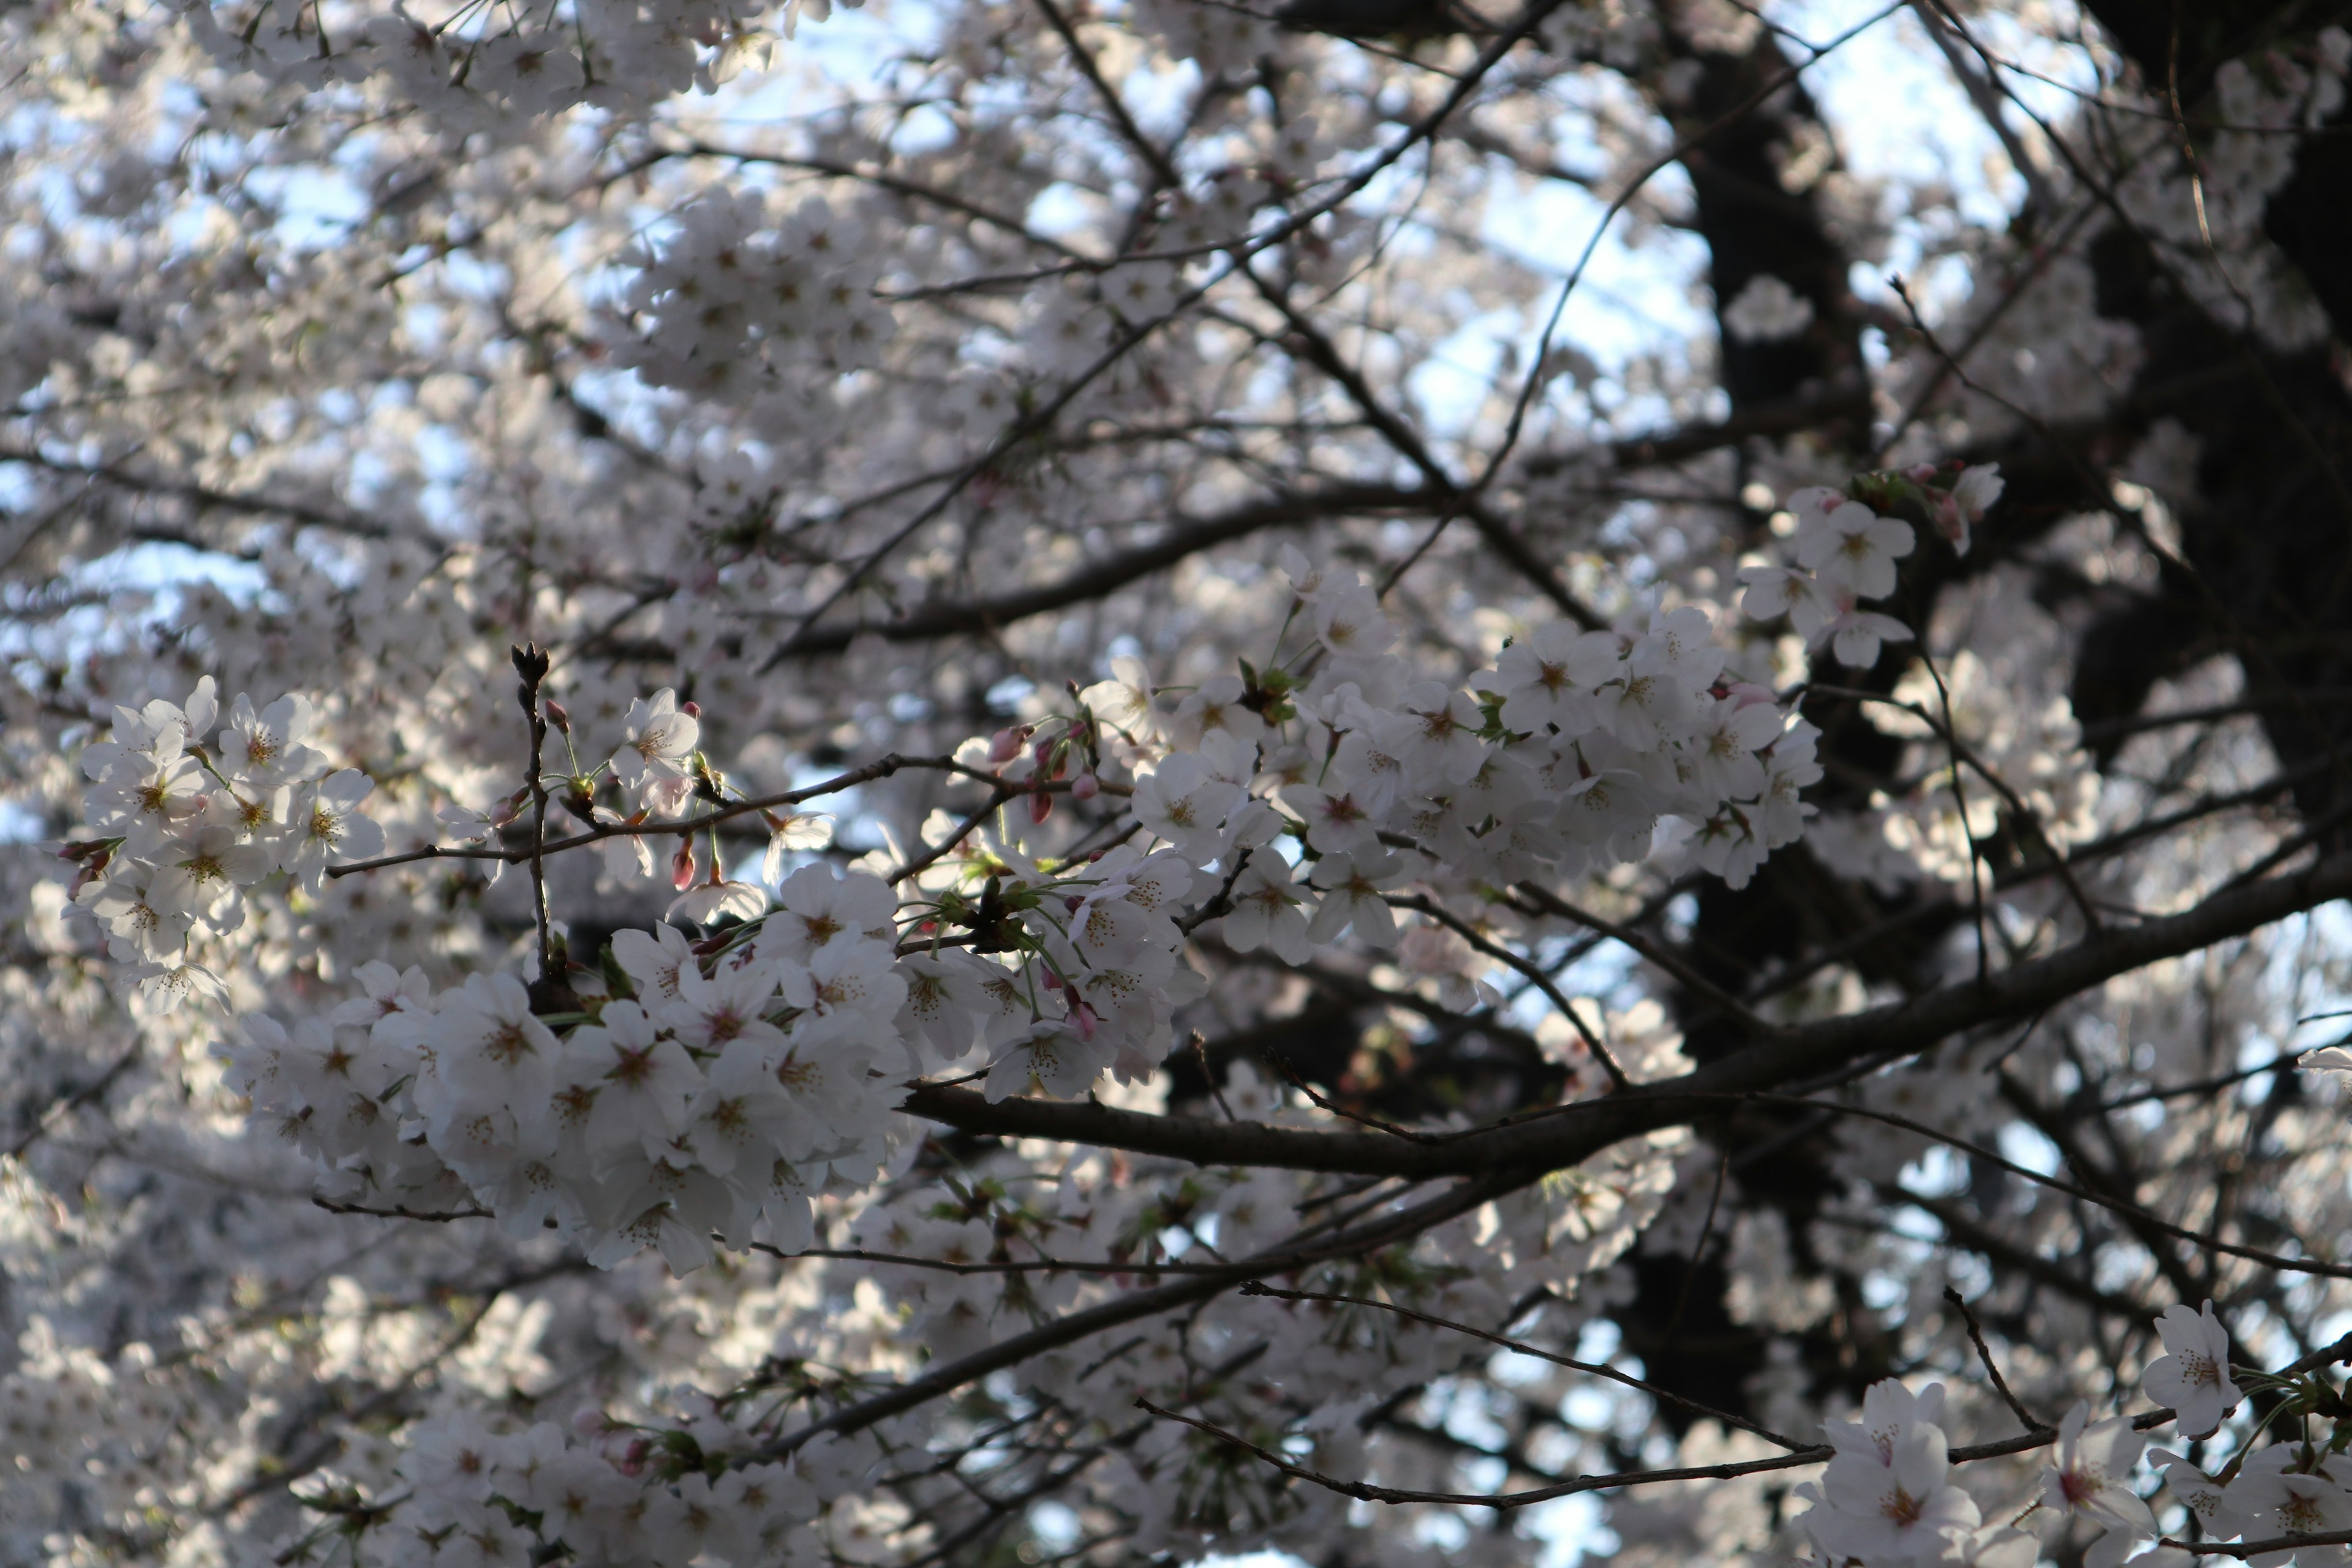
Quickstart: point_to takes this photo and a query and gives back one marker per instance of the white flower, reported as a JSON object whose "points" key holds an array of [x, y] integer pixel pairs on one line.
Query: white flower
{"points": [[1124, 702], [1856, 634], [1433, 736], [1791, 767], [454, 1452], [1350, 885], [137, 926], [1767, 310], [2092, 1481], [654, 960], [643, 1082], [1889, 1408], [326, 821], [716, 899], [2194, 1378], [488, 1098], [2275, 1497], [1547, 678], [1214, 706], [942, 1007], [1051, 1053], [657, 740], [1776, 591], [1269, 910], [1610, 806], [204, 869], [1349, 622], [1181, 803], [791, 832], [815, 907], [1972, 495], [1336, 823], [1654, 695], [143, 796], [164, 987], [857, 979], [1900, 1510], [1729, 736], [1436, 955], [265, 749], [1854, 549], [2199, 1493]]}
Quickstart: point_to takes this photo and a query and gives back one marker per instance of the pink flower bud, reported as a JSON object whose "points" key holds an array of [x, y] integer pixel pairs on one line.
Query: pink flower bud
{"points": [[588, 1422], [1041, 806], [558, 716], [1085, 787], [681, 864], [1005, 744], [691, 710]]}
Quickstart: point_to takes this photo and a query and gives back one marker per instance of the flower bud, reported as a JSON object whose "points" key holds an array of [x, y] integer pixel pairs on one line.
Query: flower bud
{"points": [[1085, 787], [681, 864], [1005, 744], [1041, 806], [558, 716]]}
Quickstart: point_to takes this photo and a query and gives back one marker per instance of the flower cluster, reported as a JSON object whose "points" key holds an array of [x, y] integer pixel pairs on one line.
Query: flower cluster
{"points": [[609, 1492], [737, 297], [1845, 552], [696, 1094], [708, 1089], [533, 62], [181, 824]]}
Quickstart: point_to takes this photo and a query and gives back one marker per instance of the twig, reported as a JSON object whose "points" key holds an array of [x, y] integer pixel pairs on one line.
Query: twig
{"points": [[530, 663], [2246, 1549], [1532, 972], [1992, 1368], [1665, 958], [1595, 1369], [1979, 1152], [1501, 1501]]}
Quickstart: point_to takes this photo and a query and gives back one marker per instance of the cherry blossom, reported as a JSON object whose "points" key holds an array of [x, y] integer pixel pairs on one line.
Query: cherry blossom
{"points": [[2192, 1377], [1295, 894], [2090, 1481]]}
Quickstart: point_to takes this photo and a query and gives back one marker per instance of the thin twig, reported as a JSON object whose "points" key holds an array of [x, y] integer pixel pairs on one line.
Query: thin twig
{"points": [[1522, 1347], [1992, 1368]]}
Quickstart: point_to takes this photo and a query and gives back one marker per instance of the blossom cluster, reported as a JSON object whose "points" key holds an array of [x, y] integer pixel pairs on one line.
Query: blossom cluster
{"points": [[687, 1102], [181, 824], [1888, 1496], [533, 60], [1845, 552], [606, 1492], [692, 1089], [737, 299]]}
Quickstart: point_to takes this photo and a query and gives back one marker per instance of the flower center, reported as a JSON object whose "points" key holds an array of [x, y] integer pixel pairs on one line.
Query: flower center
{"points": [[509, 1044]]}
